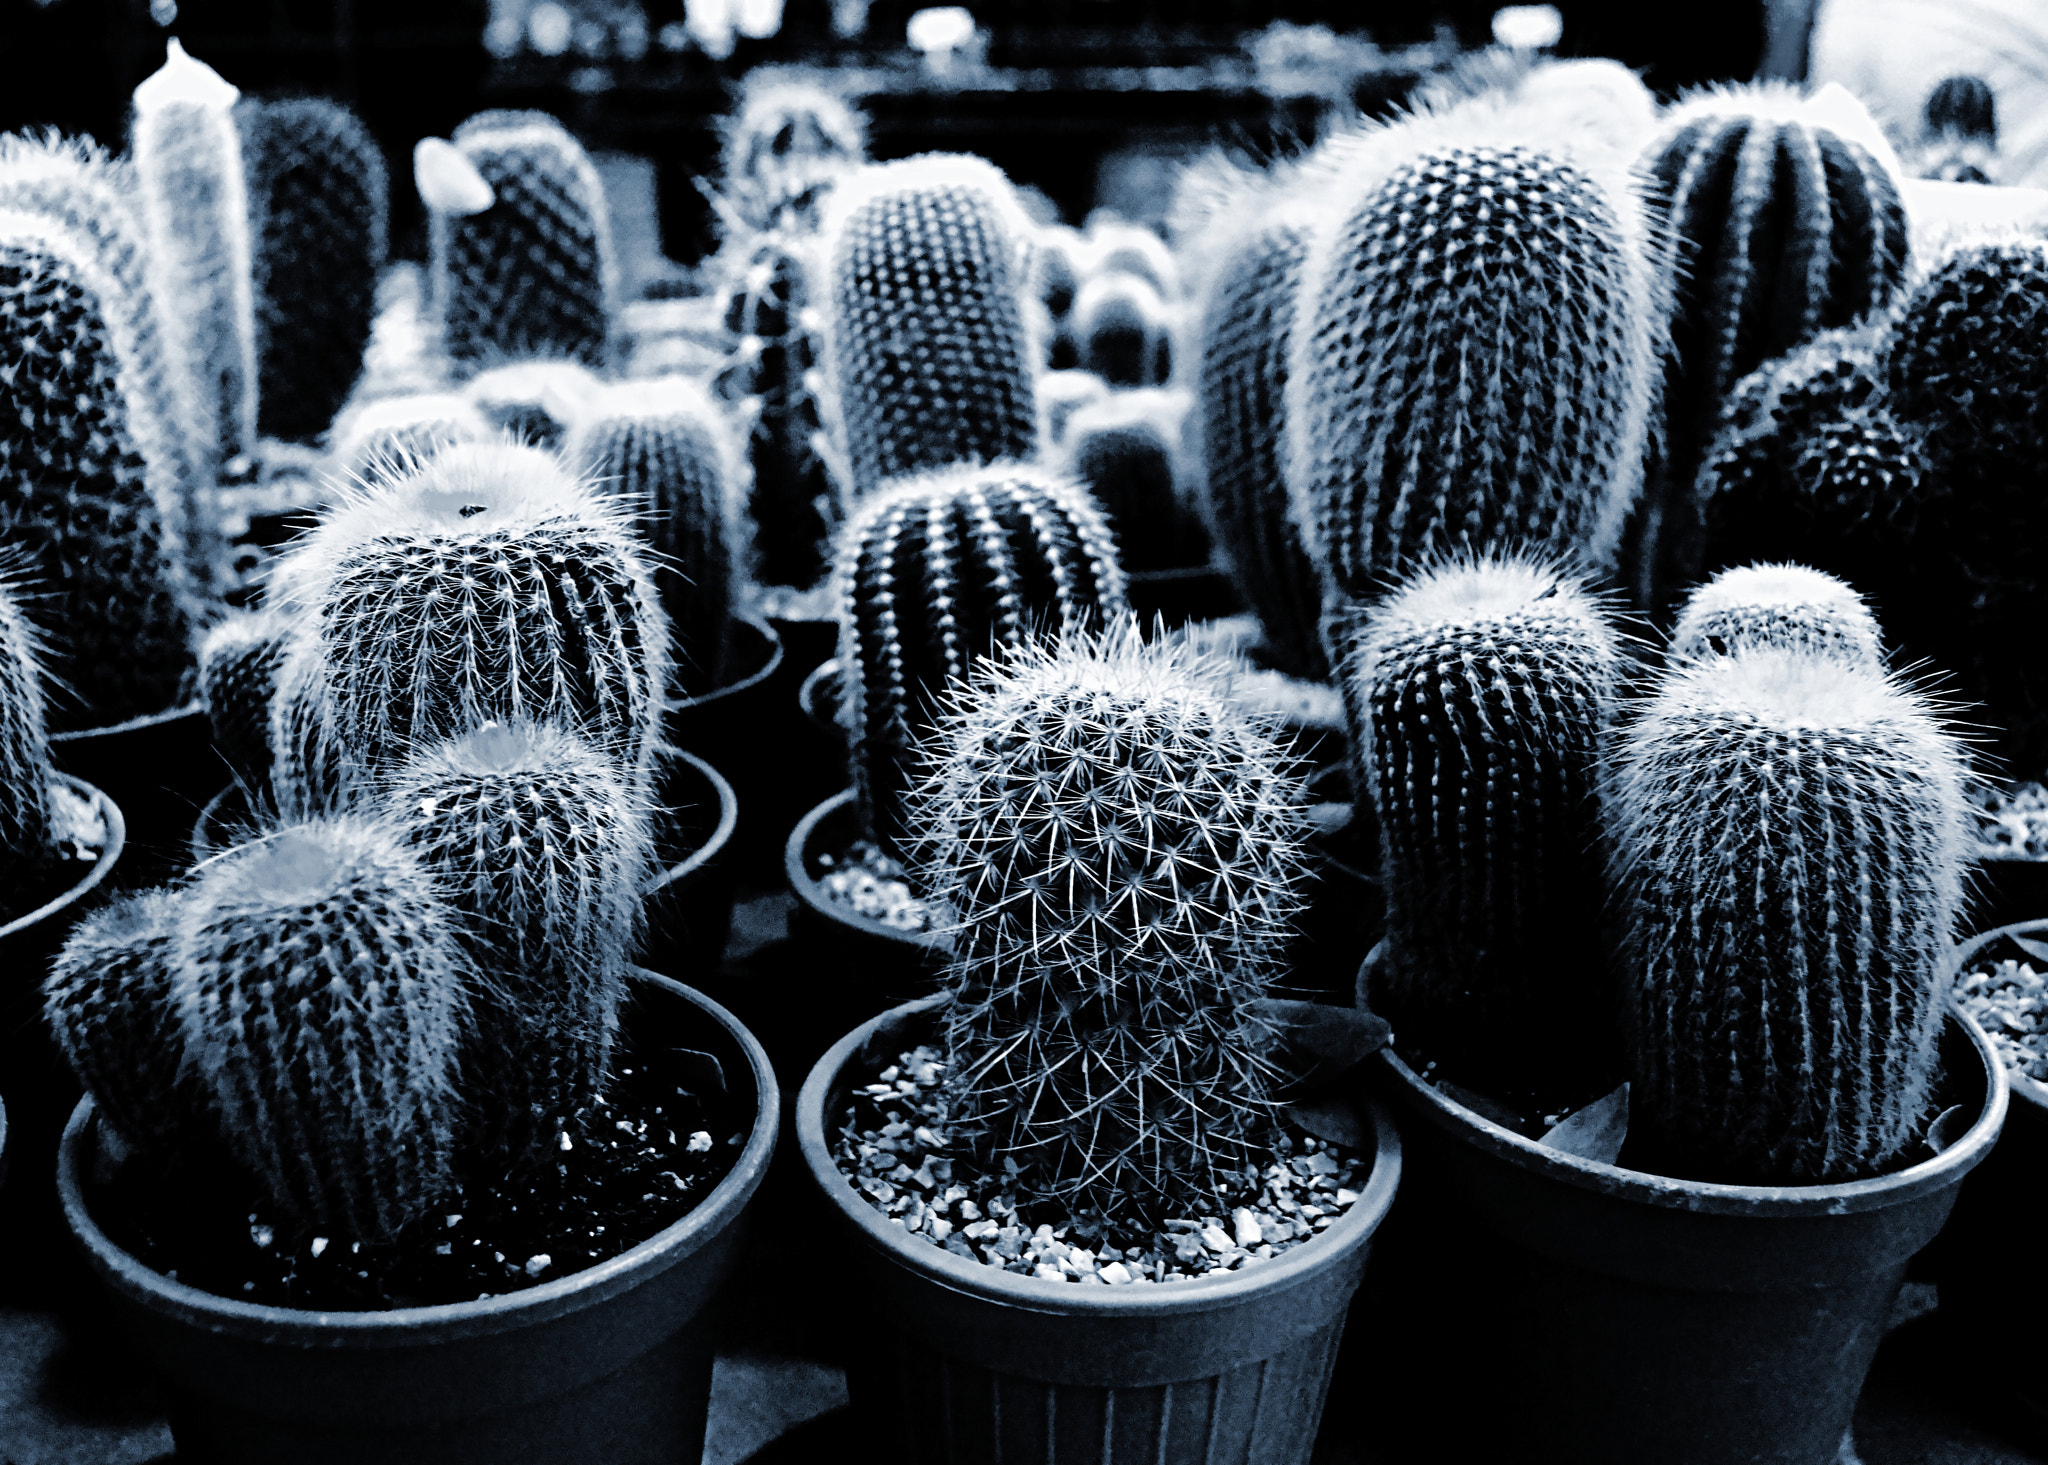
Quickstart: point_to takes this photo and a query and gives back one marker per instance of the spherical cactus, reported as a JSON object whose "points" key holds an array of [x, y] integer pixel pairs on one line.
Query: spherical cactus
{"points": [[319, 204], [1962, 106], [1060, 395], [322, 997], [1117, 842], [24, 736], [490, 585], [1788, 221], [531, 272], [195, 205], [1788, 606], [543, 847], [1057, 254], [1475, 353], [938, 572], [1115, 248], [239, 664], [534, 401], [389, 436], [1790, 831], [1123, 331], [925, 359], [1126, 449], [311, 773], [1486, 684], [786, 137]]}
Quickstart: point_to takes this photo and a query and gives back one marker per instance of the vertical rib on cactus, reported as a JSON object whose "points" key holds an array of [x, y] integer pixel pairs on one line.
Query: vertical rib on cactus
{"points": [[934, 574], [925, 359], [322, 995], [391, 435], [1122, 331], [667, 451], [1788, 606], [490, 585], [1126, 449], [542, 846], [319, 202], [311, 773], [1788, 221], [1474, 362], [240, 660], [535, 401], [532, 274], [24, 737], [1118, 843], [195, 205], [1486, 684], [1791, 832], [75, 484]]}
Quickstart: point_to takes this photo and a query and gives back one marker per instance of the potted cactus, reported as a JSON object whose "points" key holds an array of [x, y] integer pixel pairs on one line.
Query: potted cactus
{"points": [[1124, 1249]]}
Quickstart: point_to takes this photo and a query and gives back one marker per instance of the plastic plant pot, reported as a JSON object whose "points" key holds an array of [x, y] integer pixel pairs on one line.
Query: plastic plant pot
{"points": [[889, 962], [1346, 910], [2009, 890], [689, 905], [818, 698], [160, 769], [959, 1361], [611, 1364], [1604, 1316], [738, 728]]}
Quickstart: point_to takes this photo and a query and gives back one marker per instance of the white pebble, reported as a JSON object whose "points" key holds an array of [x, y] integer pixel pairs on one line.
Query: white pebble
{"points": [[539, 1262], [1247, 1227], [1049, 1271], [1214, 1239], [1346, 1197], [319, 1245], [699, 1142], [262, 1236], [1115, 1272]]}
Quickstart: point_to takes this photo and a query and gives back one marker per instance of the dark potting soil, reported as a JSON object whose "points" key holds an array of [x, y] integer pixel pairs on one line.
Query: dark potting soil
{"points": [[649, 1156], [78, 839]]}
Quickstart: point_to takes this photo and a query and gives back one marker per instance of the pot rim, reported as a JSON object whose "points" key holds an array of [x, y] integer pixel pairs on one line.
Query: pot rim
{"points": [[148, 719], [416, 1326], [805, 888], [1033, 1294], [2029, 1091], [746, 683], [807, 695], [678, 875], [117, 840]]}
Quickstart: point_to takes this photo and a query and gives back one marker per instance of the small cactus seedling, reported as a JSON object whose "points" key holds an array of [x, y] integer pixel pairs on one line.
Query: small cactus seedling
{"points": [[389, 436], [542, 848], [668, 451], [1788, 606], [319, 201], [1126, 449], [24, 739], [938, 572], [240, 660], [321, 992], [1122, 331], [1790, 831], [1486, 685], [535, 401], [1118, 843], [925, 360]]}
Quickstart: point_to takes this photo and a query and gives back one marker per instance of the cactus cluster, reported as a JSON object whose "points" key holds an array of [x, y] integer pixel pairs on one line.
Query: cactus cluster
{"points": [[1118, 844]]}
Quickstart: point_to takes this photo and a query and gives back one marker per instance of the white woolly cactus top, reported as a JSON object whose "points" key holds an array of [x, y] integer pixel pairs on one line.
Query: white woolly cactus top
{"points": [[183, 79], [1833, 107], [1466, 590], [1786, 605], [391, 435], [862, 187]]}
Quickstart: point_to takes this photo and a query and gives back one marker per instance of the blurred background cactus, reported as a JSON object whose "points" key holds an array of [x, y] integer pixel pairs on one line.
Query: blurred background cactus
{"points": [[1126, 449], [1958, 140], [1123, 331], [384, 435], [1788, 606], [240, 661], [788, 140], [534, 401]]}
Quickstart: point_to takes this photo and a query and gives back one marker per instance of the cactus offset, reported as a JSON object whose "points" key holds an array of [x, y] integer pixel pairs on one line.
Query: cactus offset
{"points": [[1122, 331], [1486, 685], [1788, 606], [24, 738], [1118, 843], [319, 204], [926, 364], [938, 572], [1791, 832], [239, 664], [1126, 449]]}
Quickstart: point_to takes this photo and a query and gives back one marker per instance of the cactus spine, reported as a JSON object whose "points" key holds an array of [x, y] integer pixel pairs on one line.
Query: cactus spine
{"points": [[1118, 843], [319, 204], [1126, 449], [934, 574], [391, 436], [926, 363], [240, 661], [1486, 684], [1788, 606], [24, 738], [1790, 831]]}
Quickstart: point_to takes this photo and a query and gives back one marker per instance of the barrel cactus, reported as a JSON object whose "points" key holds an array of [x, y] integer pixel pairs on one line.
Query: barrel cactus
{"points": [[1123, 331], [1127, 449], [787, 136], [938, 572], [239, 663], [1788, 606], [1790, 831]]}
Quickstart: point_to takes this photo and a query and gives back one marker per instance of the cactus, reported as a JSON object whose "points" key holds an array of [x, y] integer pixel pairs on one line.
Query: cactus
{"points": [[389, 436], [239, 663], [1126, 449], [1057, 253], [1790, 831], [787, 137], [321, 994], [1789, 223], [926, 363], [534, 401], [667, 451], [937, 572], [1787, 606], [24, 738], [75, 485], [195, 205], [1474, 361], [319, 203], [1122, 331], [1060, 395], [1118, 842], [489, 585], [532, 273], [1589, 97], [541, 844], [1959, 132], [1114, 248], [311, 774], [1486, 684]]}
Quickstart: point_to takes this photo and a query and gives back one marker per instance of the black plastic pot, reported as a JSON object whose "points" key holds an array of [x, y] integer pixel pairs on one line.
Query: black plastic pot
{"points": [[1346, 910], [740, 728], [161, 770], [876, 965], [612, 1364], [957, 1361], [689, 905], [1603, 1316], [2009, 890]]}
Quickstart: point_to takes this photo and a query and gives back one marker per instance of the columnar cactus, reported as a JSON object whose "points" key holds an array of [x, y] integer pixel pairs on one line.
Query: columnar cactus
{"points": [[1126, 449], [24, 737], [76, 474], [195, 204], [925, 359], [938, 572], [786, 136], [1118, 844], [1474, 363], [1787, 606], [390, 435], [1123, 331], [488, 585], [321, 995], [1790, 831], [319, 203], [1486, 684], [532, 273], [668, 452], [240, 661], [543, 847], [1788, 221]]}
